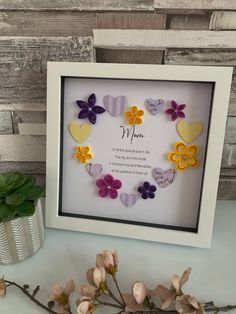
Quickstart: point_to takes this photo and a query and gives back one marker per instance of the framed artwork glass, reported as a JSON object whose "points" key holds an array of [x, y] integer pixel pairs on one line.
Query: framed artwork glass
{"points": [[135, 150]]}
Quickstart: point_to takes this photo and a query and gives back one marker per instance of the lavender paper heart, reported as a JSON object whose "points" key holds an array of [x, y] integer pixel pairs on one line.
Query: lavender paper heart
{"points": [[128, 199], [154, 106], [163, 177], [115, 106], [94, 169]]}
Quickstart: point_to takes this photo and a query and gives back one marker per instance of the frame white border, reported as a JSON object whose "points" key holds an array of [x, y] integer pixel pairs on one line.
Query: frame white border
{"points": [[221, 76]]}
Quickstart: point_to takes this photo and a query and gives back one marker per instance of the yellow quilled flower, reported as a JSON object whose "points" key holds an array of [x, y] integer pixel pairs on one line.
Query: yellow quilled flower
{"points": [[184, 156], [134, 116], [83, 154]]}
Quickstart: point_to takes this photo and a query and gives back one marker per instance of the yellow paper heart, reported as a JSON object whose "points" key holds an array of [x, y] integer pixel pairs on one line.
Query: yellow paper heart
{"points": [[80, 132], [189, 131]]}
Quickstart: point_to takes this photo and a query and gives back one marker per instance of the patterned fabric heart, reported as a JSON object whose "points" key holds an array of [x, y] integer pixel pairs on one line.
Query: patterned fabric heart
{"points": [[154, 106], [115, 106], [128, 199], [163, 177], [94, 169]]}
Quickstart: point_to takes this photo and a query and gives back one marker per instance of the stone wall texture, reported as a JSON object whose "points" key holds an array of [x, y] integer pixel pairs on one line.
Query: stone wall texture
{"points": [[34, 32]]}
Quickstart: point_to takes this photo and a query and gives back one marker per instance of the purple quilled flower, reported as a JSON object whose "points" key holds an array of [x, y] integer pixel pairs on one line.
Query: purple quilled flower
{"points": [[147, 190], [176, 111], [89, 110], [108, 186]]}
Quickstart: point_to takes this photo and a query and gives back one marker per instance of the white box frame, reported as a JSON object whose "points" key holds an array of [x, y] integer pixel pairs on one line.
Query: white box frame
{"points": [[220, 76]]}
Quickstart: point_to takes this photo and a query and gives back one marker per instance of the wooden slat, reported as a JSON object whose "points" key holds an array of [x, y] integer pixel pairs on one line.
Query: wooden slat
{"points": [[24, 61], [131, 20], [228, 172], [22, 148], [25, 117], [227, 189], [223, 20], [161, 39], [188, 21], [129, 56], [232, 101], [206, 57], [5, 122], [230, 134], [229, 156], [54, 23], [223, 57], [226, 156], [23, 107], [32, 128], [78, 5], [195, 4], [24, 167], [41, 180]]}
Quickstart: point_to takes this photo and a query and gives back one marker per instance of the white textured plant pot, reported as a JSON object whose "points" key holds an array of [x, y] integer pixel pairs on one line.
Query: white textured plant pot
{"points": [[21, 237]]}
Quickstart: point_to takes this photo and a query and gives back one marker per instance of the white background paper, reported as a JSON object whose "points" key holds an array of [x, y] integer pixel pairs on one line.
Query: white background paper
{"points": [[175, 205]]}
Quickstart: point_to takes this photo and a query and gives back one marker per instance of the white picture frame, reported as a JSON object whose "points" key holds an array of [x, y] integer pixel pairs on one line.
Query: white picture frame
{"points": [[219, 77]]}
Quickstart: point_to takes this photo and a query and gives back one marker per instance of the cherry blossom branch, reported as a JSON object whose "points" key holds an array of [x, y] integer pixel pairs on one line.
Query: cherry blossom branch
{"points": [[139, 301], [24, 289], [215, 309]]}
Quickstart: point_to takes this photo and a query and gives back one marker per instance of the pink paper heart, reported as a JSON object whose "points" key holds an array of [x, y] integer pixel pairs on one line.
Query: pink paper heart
{"points": [[154, 106], [94, 169], [115, 106], [128, 199], [163, 177]]}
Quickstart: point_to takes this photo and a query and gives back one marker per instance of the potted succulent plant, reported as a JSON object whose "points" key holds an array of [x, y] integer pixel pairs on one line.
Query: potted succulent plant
{"points": [[21, 219]]}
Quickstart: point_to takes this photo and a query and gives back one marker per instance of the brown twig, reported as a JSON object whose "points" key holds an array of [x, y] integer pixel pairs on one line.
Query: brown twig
{"points": [[114, 297], [30, 296], [218, 309], [118, 288], [109, 304]]}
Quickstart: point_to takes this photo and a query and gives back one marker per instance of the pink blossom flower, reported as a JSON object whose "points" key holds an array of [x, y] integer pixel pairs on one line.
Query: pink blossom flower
{"points": [[85, 306], [108, 186], [186, 304], [176, 111], [61, 296], [97, 282], [169, 295], [131, 306], [88, 291], [108, 260]]}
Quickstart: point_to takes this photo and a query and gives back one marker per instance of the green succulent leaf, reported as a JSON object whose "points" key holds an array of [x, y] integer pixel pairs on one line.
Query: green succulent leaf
{"points": [[29, 181], [10, 181], [17, 195], [34, 193], [7, 212], [15, 199], [27, 208], [19, 182]]}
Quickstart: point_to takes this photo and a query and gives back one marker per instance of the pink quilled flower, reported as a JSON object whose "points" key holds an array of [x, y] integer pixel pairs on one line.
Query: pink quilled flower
{"points": [[176, 111], [108, 186]]}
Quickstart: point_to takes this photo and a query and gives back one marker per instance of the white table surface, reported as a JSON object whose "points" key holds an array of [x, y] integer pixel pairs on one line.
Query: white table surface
{"points": [[67, 254]]}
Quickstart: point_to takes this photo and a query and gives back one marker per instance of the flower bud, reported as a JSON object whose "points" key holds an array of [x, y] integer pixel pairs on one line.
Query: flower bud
{"points": [[99, 276], [3, 287], [110, 259], [139, 292], [85, 306]]}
